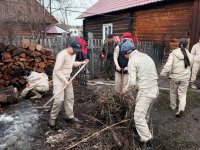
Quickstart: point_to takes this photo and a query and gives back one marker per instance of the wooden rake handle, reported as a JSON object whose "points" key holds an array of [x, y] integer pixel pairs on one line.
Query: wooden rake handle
{"points": [[45, 105]]}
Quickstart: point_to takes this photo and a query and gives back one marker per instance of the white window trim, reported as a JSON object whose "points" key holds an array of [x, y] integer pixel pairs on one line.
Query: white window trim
{"points": [[104, 25]]}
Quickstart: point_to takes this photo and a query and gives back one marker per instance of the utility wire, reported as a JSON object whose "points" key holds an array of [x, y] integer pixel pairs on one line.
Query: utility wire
{"points": [[76, 11], [35, 4]]}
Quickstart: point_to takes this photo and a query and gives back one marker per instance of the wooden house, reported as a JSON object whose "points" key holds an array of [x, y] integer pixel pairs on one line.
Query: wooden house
{"points": [[27, 18], [149, 20]]}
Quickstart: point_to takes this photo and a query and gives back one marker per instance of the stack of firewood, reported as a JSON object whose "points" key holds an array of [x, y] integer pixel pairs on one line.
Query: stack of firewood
{"points": [[26, 57]]}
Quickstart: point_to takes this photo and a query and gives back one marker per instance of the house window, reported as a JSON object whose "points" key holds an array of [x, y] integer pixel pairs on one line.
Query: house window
{"points": [[107, 29]]}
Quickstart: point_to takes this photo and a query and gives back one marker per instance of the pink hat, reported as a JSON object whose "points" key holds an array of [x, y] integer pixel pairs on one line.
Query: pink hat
{"points": [[127, 35]]}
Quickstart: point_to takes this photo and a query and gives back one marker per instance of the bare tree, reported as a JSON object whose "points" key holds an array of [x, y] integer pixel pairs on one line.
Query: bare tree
{"points": [[18, 16]]}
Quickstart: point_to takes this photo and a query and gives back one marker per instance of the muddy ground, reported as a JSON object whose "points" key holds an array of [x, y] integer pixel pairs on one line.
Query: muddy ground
{"points": [[170, 133]]}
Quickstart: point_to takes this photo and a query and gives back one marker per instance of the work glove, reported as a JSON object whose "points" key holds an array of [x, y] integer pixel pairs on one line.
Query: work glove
{"points": [[126, 69], [102, 56], [20, 97], [66, 82], [85, 61]]}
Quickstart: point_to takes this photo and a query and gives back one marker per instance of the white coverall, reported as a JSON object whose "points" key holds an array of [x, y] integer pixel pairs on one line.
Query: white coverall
{"points": [[179, 77], [143, 74], [196, 59], [118, 76], [62, 70], [36, 81]]}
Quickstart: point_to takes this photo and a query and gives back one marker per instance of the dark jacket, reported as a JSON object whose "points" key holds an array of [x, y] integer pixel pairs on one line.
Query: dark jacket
{"points": [[104, 49]]}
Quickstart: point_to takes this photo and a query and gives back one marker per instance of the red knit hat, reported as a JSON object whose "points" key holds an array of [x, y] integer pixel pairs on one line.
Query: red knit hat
{"points": [[127, 35]]}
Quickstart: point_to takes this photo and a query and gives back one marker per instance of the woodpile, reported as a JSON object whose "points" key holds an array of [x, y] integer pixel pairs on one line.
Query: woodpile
{"points": [[29, 56]]}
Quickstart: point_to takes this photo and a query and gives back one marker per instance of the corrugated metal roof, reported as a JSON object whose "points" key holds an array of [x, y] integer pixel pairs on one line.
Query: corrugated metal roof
{"points": [[55, 29], [105, 6]]}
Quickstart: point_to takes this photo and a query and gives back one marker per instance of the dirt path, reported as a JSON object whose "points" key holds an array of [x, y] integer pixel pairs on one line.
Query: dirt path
{"points": [[170, 133]]}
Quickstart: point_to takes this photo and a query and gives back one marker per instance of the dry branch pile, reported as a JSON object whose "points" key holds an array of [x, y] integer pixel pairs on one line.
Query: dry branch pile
{"points": [[113, 115], [115, 109], [29, 56]]}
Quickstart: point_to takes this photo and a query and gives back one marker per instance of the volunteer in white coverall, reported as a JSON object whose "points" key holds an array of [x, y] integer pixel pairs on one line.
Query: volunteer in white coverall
{"points": [[196, 65], [121, 64], [142, 75], [65, 61], [178, 68], [36, 82]]}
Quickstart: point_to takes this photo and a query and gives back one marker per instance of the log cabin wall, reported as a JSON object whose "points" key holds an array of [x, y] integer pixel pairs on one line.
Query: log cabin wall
{"points": [[168, 22], [23, 17], [122, 22]]}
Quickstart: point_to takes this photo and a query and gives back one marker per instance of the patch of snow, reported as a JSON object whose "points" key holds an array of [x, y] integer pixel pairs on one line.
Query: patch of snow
{"points": [[6, 118]]}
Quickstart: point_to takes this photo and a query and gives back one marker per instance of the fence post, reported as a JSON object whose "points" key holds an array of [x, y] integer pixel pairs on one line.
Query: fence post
{"points": [[92, 58]]}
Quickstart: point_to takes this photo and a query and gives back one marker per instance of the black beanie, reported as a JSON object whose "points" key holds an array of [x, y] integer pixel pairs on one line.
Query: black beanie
{"points": [[183, 42]]}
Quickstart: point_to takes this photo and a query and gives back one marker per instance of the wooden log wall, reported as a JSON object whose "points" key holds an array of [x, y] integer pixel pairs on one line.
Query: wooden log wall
{"points": [[168, 22], [195, 35], [121, 23]]}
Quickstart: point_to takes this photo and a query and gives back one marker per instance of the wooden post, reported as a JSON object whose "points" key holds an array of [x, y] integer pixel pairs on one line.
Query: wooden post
{"points": [[92, 58]]}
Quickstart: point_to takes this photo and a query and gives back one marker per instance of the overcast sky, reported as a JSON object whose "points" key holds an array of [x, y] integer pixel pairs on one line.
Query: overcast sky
{"points": [[73, 9]]}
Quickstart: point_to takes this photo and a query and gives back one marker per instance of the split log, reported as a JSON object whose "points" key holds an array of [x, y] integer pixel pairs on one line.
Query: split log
{"points": [[22, 81], [39, 47], [10, 64], [51, 57], [22, 55], [8, 60], [4, 68], [6, 55], [15, 67], [25, 43], [42, 65], [17, 51], [22, 59], [43, 51], [9, 95], [32, 47], [34, 54], [48, 53], [2, 47], [14, 80], [31, 59], [28, 52], [17, 58], [26, 63], [28, 67], [11, 47], [44, 56], [21, 64], [38, 59], [2, 81]]}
